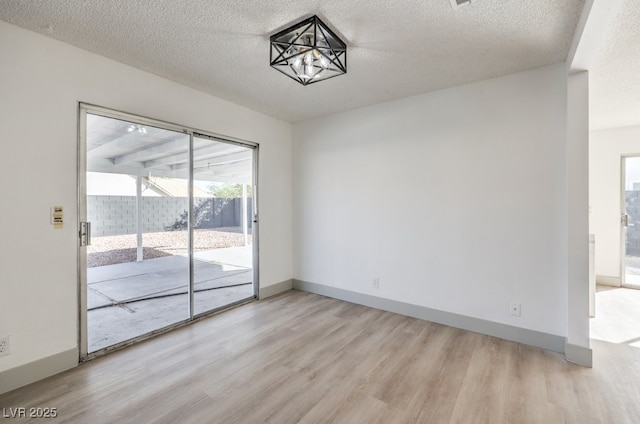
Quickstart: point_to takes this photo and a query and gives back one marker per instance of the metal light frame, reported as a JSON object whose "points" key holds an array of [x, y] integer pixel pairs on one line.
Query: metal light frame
{"points": [[308, 52]]}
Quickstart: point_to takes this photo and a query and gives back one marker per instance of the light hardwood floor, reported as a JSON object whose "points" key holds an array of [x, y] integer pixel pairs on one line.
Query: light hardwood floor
{"points": [[301, 357]]}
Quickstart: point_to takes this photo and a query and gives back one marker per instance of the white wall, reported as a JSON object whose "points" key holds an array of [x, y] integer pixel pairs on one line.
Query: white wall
{"points": [[455, 199], [606, 148], [41, 83], [577, 175]]}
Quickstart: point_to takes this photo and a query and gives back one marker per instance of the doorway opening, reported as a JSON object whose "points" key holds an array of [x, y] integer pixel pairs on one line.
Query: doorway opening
{"points": [[615, 192], [168, 226]]}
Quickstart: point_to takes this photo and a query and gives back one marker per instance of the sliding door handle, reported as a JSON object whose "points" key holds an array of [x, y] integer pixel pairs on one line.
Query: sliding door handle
{"points": [[85, 234]]}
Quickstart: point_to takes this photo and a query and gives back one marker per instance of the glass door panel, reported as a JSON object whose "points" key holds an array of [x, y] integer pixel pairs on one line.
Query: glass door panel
{"points": [[137, 203], [222, 224]]}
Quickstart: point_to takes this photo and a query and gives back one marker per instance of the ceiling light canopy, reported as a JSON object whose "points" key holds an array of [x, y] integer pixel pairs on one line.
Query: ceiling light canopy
{"points": [[309, 52], [457, 4]]}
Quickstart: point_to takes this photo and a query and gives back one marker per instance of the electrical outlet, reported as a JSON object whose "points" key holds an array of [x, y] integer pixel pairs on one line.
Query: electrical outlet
{"points": [[376, 283], [516, 309], [4, 346]]}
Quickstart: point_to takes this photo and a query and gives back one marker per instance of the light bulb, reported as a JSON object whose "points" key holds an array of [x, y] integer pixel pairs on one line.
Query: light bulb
{"points": [[308, 65], [324, 61], [297, 63], [308, 58], [309, 71]]}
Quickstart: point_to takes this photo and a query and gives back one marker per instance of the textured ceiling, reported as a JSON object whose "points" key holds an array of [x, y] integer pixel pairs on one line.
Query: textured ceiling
{"points": [[614, 79], [396, 48]]}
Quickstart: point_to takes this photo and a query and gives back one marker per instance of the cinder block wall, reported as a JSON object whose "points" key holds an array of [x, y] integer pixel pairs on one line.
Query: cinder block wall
{"points": [[116, 215]]}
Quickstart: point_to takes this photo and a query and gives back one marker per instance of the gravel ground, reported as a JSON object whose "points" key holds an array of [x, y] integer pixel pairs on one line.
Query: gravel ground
{"points": [[120, 249]]}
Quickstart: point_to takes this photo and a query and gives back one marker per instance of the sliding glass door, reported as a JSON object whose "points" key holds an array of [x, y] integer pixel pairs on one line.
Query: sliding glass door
{"points": [[166, 229]]}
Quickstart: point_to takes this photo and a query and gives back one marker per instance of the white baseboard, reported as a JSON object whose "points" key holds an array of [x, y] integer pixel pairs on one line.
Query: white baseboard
{"points": [[578, 355], [37, 370], [606, 280], [275, 289]]}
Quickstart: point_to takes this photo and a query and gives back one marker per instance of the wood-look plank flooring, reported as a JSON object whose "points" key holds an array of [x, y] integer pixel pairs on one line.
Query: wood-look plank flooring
{"points": [[305, 358]]}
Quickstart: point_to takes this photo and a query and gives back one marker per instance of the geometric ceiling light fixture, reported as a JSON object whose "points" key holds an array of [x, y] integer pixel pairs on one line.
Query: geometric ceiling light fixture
{"points": [[308, 52]]}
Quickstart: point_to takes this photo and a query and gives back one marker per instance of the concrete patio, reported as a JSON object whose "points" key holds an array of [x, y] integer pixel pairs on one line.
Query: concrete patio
{"points": [[127, 300]]}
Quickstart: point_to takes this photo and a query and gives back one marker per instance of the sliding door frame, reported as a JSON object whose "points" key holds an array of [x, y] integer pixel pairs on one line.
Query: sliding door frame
{"points": [[83, 110], [624, 217]]}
